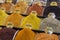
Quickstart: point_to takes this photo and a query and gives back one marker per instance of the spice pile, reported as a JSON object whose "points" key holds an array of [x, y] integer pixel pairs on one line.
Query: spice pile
{"points": [[25, 34], [7, 33]]}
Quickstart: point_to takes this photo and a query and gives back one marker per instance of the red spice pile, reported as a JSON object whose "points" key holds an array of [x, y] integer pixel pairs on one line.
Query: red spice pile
{"points": [[37, 8]]}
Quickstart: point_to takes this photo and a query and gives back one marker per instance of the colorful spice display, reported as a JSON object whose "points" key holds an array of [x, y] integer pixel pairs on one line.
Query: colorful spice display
{"points": [[32, 9]]}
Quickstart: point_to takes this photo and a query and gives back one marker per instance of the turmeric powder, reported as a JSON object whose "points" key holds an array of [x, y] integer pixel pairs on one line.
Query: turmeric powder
{"points": [[16, 9], [3, 16], [25, 34], [31, 21], [15, 19], [8, 6], [23, 5]]}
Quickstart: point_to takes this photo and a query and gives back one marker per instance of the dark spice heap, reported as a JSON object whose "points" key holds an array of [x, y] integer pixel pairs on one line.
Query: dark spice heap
{"points": [[7, 34]]}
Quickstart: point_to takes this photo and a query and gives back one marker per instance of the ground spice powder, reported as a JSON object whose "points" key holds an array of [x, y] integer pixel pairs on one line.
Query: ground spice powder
{"points": [[44, 36], [25, 34], [15, 18], [35, 7]]}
